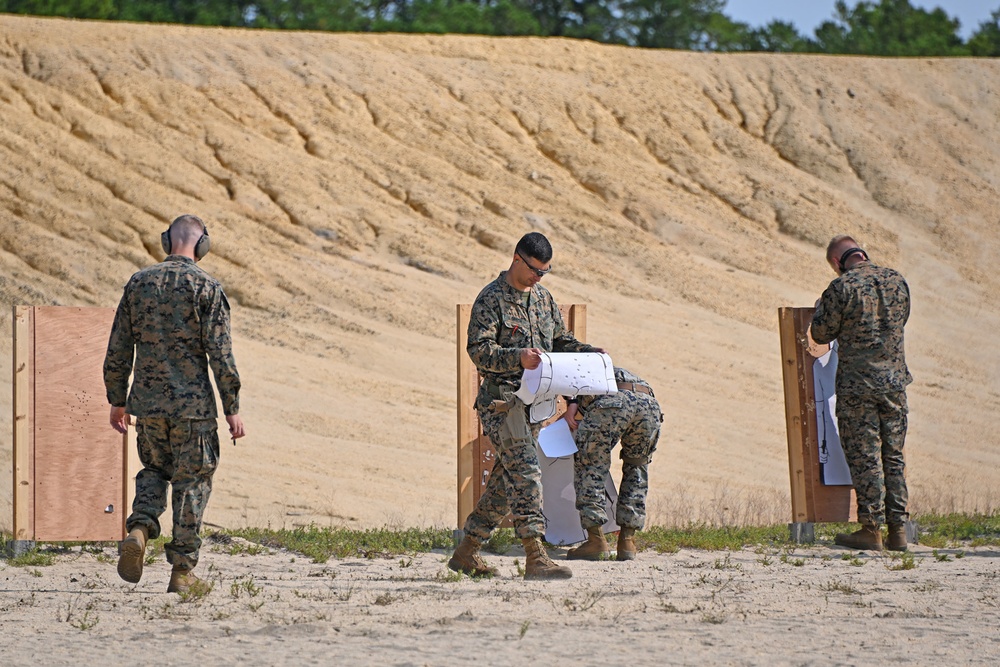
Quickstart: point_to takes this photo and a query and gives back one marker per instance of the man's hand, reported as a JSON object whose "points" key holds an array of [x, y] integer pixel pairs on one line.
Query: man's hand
{"points": [[570, 416], [236, 429], [530, 357], [119, 420], [602, 351]]}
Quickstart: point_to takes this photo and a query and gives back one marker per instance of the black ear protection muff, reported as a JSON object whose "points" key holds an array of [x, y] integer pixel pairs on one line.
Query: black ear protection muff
{"points": [[201, 248], [850, 253]]}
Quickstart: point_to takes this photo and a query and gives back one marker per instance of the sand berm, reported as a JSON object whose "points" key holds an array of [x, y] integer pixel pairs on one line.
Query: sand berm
{"points": [[357, 187]]}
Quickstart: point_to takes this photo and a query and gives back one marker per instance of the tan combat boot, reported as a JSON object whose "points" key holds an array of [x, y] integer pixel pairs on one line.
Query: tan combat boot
{"points": [[182, 580], [595, 548], [132, 554], [626, 544], [538, 565], [466, 560], [897, 537], [868, 538]]}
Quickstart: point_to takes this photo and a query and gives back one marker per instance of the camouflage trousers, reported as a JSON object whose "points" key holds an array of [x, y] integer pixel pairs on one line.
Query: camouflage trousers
{"points": [[872, 431], [636, 422], [515, 485], [182, 454]]}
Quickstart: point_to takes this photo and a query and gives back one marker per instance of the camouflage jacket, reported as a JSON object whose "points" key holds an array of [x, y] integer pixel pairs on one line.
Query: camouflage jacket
{"points": [[174, 319], [865, 309], [618, 400], [500, 327]]}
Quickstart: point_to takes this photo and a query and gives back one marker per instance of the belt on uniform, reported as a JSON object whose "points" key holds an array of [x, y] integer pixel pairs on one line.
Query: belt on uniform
{"points": [[493, 390], [634, 386]]}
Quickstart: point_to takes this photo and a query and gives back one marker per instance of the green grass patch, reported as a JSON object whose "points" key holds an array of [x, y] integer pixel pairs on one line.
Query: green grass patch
{"points": [[321, 544], [942, 530], [34, 558], [710, 538]]}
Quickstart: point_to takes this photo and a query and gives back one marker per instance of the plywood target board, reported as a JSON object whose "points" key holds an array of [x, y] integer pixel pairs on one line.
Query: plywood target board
{"points": [[70, 473], [812, 500]]}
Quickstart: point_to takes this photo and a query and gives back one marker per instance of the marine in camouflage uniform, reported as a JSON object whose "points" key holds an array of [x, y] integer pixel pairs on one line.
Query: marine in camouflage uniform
{"points": [[173, 319], [506, 321], [632, 416], [865, 309]]}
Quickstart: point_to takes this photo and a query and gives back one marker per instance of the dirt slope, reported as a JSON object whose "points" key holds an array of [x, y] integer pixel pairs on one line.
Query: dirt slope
{"points": [[358, 187]]}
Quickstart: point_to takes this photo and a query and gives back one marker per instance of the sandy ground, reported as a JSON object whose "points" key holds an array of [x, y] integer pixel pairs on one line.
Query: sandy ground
{"points": [[357, 187], [810, 606]]}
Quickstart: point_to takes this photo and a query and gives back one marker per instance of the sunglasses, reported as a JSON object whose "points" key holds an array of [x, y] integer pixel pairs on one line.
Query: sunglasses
{"points": [[538, 272]]}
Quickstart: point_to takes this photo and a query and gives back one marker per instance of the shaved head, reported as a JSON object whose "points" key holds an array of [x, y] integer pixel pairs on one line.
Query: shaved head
{"points": [[839, 245], [186, 230]]}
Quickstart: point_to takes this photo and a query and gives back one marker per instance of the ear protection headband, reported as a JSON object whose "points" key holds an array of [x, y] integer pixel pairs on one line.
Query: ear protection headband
{"points": [[848, 254], [201, 248]]}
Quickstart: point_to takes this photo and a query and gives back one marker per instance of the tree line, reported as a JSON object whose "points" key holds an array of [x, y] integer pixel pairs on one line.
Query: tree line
{"points": [[883, 28]]}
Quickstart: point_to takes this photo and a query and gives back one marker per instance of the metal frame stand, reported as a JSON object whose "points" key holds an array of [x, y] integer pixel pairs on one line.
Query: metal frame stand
{"points": [[15, 548], [802, 533]]}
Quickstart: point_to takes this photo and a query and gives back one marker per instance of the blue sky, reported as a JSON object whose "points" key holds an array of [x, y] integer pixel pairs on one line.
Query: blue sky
{"points": [[806, 15]]}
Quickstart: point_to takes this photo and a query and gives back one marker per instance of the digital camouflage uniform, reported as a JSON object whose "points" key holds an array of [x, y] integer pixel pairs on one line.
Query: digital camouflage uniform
{"points": [[174, 318], [499, 328], [865, 309], [633, 417]]}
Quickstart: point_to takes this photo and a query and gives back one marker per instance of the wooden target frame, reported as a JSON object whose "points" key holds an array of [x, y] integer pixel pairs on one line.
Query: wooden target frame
{"points": [[812, 501], [475, 451], [70, 467]]}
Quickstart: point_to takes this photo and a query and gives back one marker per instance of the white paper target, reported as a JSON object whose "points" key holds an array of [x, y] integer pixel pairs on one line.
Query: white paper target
{"points": [[565, 374], [832, 461]]}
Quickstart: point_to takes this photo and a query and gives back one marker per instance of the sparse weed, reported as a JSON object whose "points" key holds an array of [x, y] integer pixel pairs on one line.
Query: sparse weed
{"points": [[839, 587], [906, 561], [928, 587], [244, 586], [346, 594], [726, 564], [383, 599], [243, 548], [940, 557], [196, 591], [715, 618], [449, 576], [85, 622], [853, 559], [589, 599], [154, 549], [524, 629], [501, 541], [796, 562]]}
